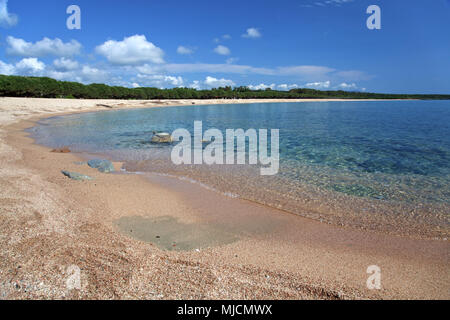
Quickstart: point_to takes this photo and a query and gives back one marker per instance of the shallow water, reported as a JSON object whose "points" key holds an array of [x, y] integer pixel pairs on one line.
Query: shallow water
{"points": [[170, 234], [381, 165]]}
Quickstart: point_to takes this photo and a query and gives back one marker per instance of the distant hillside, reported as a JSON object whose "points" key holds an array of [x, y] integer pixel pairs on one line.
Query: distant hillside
{"points": [[36, 87]]}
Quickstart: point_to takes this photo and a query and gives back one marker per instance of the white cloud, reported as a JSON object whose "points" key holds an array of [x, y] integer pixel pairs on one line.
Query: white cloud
{"points": [[222, 50], [7, 19], [215, 83], [184, 50], [135, 85], [262, 86], [327, 85], [30, 66], [211, 82], [318, 85], [347, 86], [287, 86], [6, 68], [195, 85], [175, 81], [252, 33], [161, 81], [85, 74], [65, 64], [44, 47], [92, 74], [134, 50]]}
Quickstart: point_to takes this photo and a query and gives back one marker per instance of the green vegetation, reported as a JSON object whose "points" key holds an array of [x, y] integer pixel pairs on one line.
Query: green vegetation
{"points": [[15, 86]]}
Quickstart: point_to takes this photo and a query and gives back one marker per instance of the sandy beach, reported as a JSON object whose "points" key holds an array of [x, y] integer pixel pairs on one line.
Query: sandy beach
{"points": [[160, 238]]}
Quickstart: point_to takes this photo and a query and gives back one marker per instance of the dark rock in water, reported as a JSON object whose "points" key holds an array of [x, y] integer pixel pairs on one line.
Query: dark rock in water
{"points": [[104, 166], [76, 176]]}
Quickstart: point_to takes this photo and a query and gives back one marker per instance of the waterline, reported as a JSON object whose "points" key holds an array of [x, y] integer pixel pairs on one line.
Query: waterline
{"points": [[372, 165]]}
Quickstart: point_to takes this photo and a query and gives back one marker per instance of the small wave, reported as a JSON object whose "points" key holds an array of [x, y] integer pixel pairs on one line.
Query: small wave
{"points": [[185, 179]]}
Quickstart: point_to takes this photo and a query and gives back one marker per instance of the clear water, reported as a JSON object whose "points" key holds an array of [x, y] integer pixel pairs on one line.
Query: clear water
{"points": [[381, 165]]}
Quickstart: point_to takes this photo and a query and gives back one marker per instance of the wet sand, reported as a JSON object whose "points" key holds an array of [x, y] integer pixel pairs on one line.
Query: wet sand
{"points": [[156, 237]]}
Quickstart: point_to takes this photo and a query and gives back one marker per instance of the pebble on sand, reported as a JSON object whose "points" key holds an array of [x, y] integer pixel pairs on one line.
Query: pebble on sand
{"points": [[61, 150], [76, 176]]}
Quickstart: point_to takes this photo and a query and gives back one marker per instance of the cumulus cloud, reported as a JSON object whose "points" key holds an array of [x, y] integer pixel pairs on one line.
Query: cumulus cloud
{"points": [[214, 83], [195, 85], [285, 86], [44, 47], [6, 19], [318, 85], [211, 82], [65, 64], [30, 66], [262, 86], [347, 86], [327, 85], [252, 33], [134, 50], [6, 68], [184, 50], [62, 69], [26, 67], [160, 81], [222, 50], [84, 74]]}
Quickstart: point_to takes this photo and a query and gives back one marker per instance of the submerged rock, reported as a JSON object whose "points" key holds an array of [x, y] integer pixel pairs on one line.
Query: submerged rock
{"points": [[76, 176], [162, 137], [104, 166]]}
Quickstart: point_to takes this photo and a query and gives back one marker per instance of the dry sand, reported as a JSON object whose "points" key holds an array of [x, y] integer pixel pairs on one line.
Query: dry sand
{"points": [[205, 245]]}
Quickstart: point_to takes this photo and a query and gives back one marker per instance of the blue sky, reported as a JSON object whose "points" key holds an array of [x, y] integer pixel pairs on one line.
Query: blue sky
{"points": [[323, 44]]}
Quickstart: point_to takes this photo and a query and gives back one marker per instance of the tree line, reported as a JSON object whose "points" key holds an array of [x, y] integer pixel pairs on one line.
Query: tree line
{"points": [[42, 87]]}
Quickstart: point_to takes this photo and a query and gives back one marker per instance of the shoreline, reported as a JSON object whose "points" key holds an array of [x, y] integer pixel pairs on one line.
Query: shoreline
{"points": [[272, 256]]}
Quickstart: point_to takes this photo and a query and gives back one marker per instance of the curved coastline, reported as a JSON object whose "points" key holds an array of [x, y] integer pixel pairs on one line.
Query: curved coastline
{"points": [[298, 258], [323, 205]]}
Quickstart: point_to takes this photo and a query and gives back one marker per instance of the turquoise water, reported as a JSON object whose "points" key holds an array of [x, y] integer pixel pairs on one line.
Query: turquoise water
{"points": [[360, 163]]}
